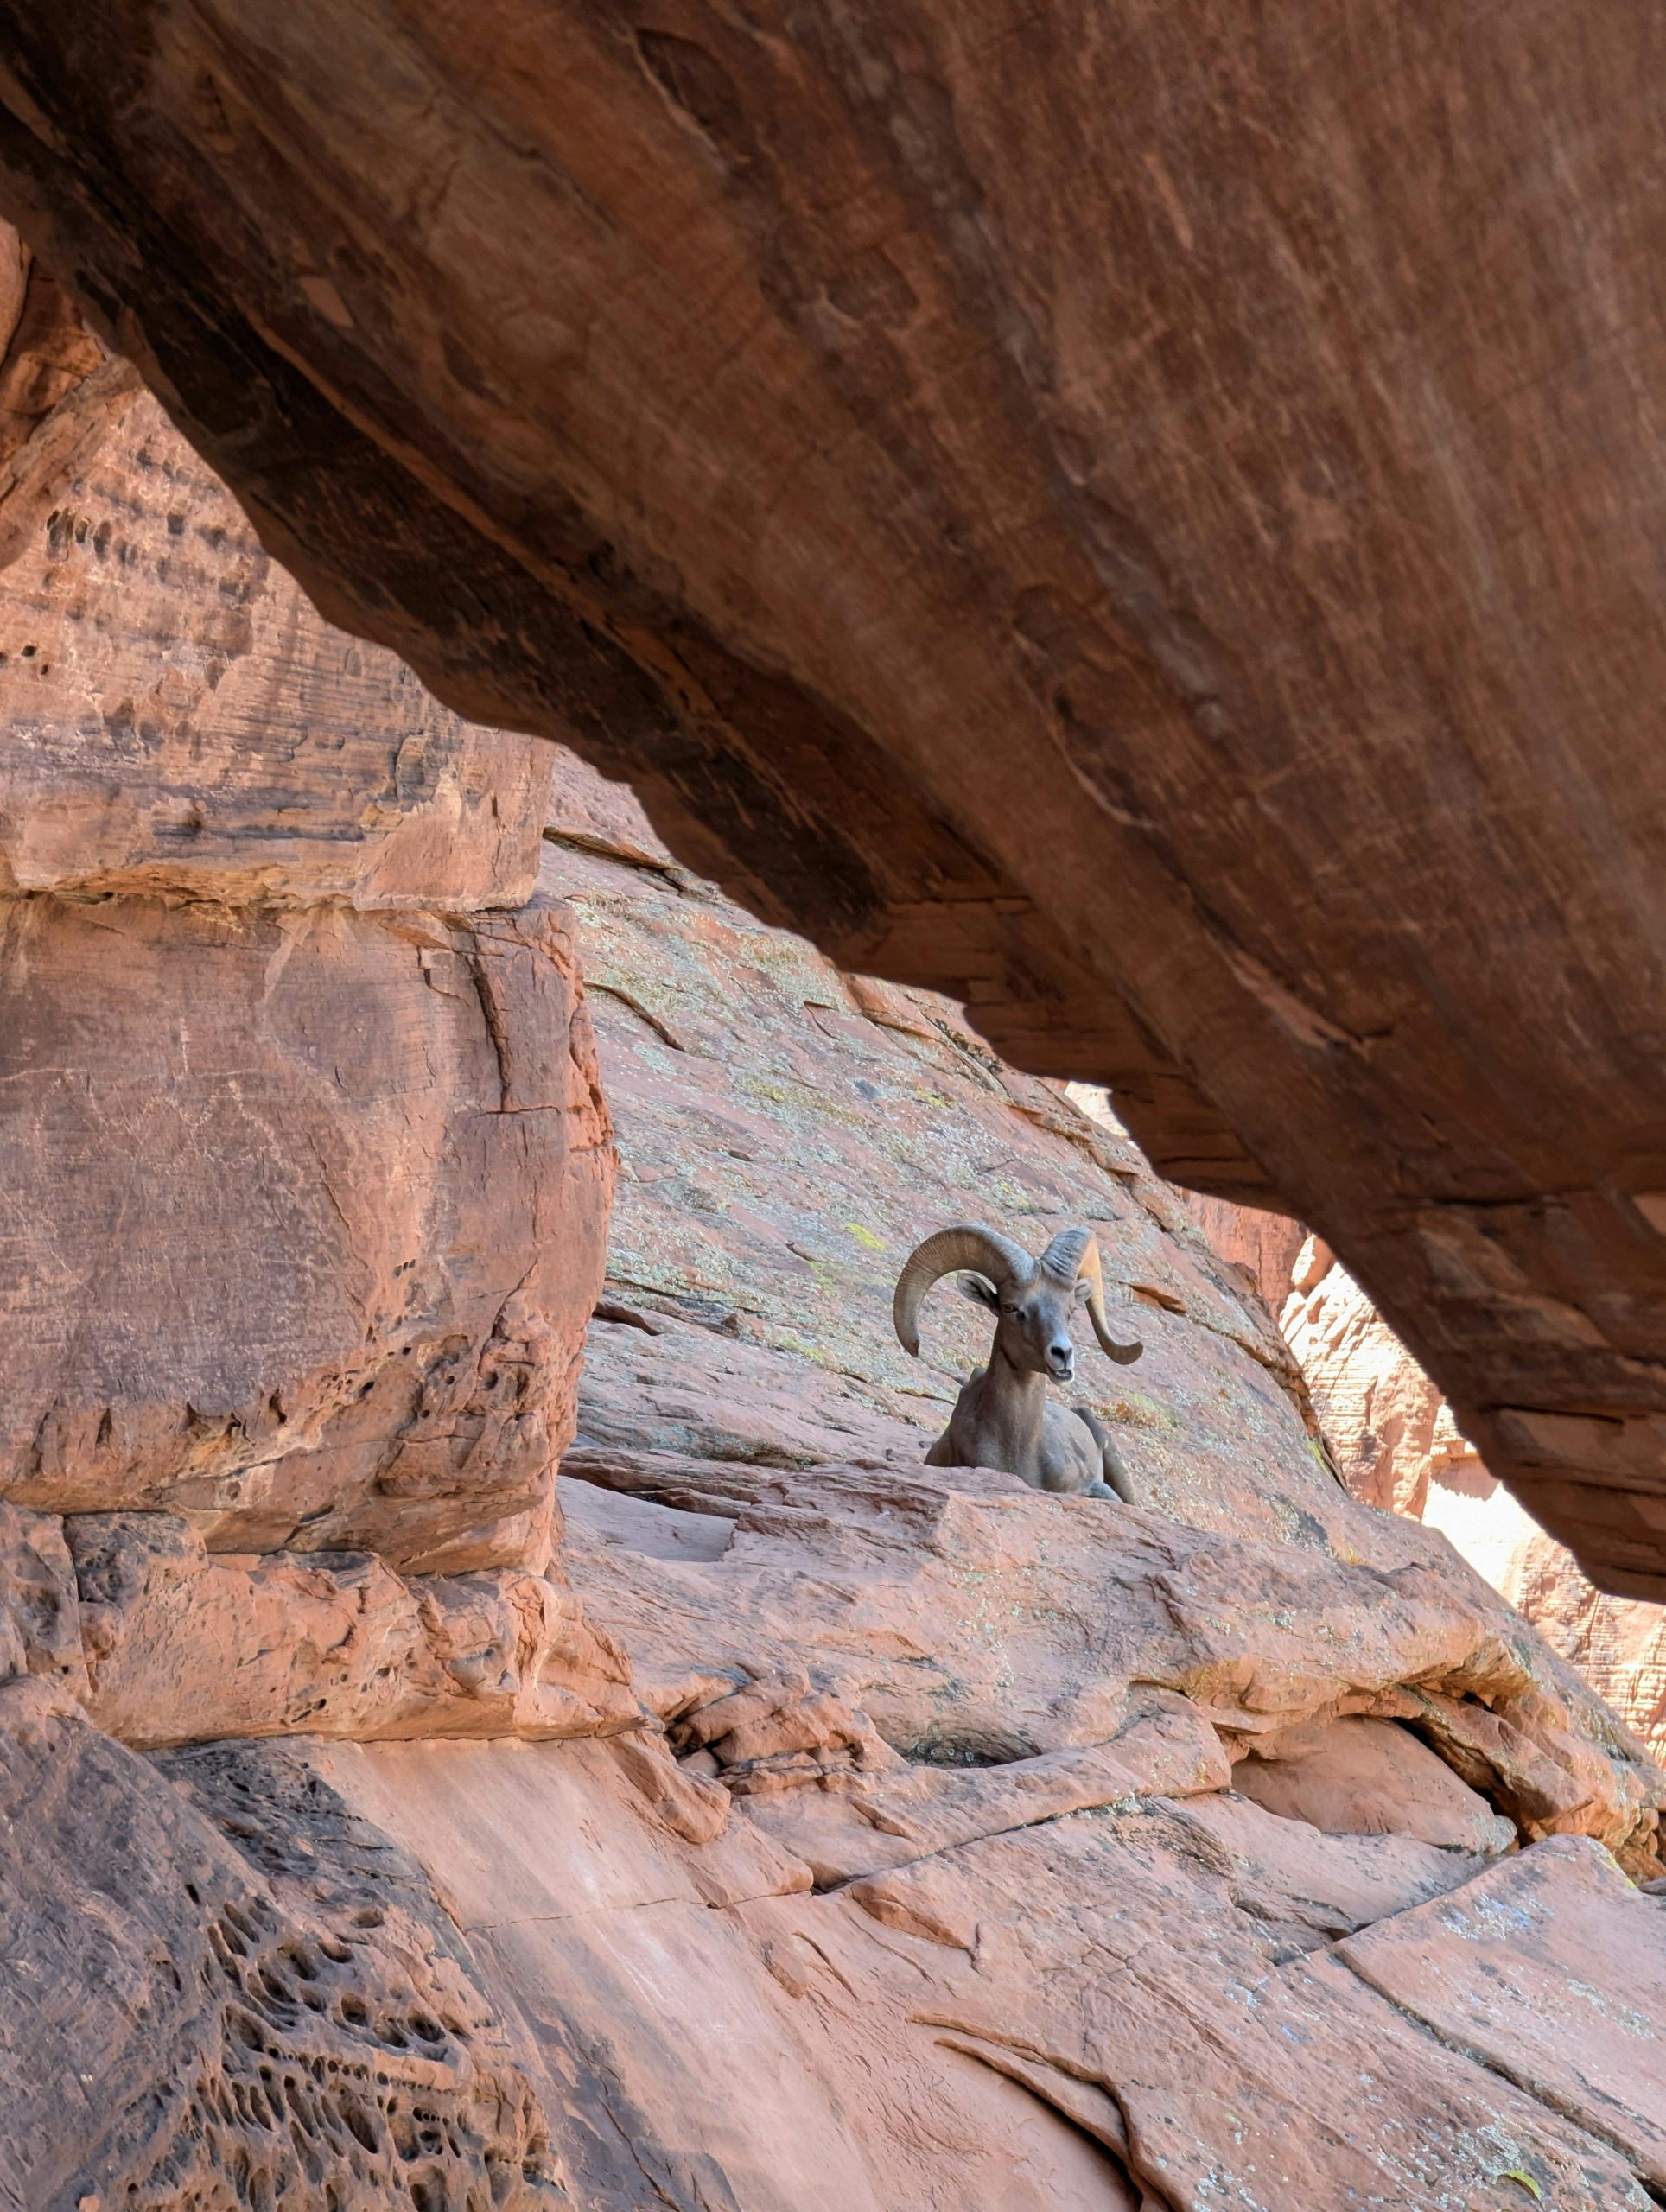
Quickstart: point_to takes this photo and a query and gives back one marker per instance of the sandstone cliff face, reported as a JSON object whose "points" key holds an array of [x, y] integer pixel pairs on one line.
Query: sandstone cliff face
{"points": [[306, 1173], [1399, 1447], [307, 1164], [780, 1824], [1018, 488]]}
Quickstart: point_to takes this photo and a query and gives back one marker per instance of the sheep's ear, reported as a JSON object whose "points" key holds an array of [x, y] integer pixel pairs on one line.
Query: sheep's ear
{"points": [[1083, 1291], [980, 1291]]}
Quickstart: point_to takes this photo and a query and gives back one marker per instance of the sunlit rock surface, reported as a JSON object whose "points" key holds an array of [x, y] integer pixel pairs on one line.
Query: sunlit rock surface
{"points": [[1398, 1445], [308, 1171], [768, 1820]]}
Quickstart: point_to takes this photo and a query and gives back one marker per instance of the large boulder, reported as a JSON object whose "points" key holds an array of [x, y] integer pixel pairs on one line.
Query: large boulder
{"points": [[307, 1166], [306, 1214]]}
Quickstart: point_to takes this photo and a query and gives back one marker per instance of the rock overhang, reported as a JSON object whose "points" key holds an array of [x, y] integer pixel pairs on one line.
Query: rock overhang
{"points": [[1160, 614]]}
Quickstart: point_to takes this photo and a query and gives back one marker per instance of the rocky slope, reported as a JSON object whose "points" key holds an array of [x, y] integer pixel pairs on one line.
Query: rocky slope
{"points": [[1399, 1447], [920, 1695], [748, 1816]]}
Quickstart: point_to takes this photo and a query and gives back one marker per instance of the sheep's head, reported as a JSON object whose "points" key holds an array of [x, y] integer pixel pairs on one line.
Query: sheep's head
{"points": [[1032, 1300]]}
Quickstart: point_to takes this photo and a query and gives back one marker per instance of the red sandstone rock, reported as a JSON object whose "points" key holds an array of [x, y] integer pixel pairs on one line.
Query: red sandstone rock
{"points": [[861, 2048], [216, 1980], [968, 1621], [777, 1122], [1619, 1644], [1265, 1245], [40, 1625], [1369, 1777], [1059, 1963], [1552, 1969], [1184, 584], [185, 1646], [47, 352], [180, 721], [61, 395], [306, 1214], [307, 1202], [1392, 1430], [1396, 1442]]}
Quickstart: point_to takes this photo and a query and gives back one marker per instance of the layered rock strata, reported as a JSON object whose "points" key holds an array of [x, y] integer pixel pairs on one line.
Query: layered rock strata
{"points": [[308, 1168], [1134, 575], [802, 1827], [307, 1172]]}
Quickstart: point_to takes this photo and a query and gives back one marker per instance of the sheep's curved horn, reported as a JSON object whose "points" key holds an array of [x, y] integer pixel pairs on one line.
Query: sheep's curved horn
{"points": [[968, 1245], [1074, 1253]]}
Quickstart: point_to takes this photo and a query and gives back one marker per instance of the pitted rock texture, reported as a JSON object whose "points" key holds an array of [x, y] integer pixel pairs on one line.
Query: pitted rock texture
{"points": [[830, 1935], [180, 721], [61, 395], [306, 1216], [909, 1874], [222, 1989], [1020, 553], [40, 1631]]}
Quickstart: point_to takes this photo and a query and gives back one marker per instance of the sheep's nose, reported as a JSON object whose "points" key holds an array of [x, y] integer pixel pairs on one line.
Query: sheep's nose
{"points": [[1062, 1357]]}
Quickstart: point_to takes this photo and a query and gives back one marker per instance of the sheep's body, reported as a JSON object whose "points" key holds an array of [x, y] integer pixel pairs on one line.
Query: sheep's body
{"points": [[1003, 1417]]}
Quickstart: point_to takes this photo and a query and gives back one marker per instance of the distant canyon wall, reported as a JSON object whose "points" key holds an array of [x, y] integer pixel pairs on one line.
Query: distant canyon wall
{"points": [[1397, 1444]]}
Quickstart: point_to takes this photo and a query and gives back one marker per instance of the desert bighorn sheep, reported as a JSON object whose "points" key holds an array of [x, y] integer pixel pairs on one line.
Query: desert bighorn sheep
{"points": [[1003, 1417]]}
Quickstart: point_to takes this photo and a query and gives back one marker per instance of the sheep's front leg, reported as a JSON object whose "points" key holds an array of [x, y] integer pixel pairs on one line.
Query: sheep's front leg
{"points": [[1116, 1483], [1111, 1475]]}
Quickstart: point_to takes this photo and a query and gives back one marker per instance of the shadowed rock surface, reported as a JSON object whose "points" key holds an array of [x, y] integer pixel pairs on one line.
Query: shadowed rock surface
{"points": [[1142, 521], [802, 1827]]}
